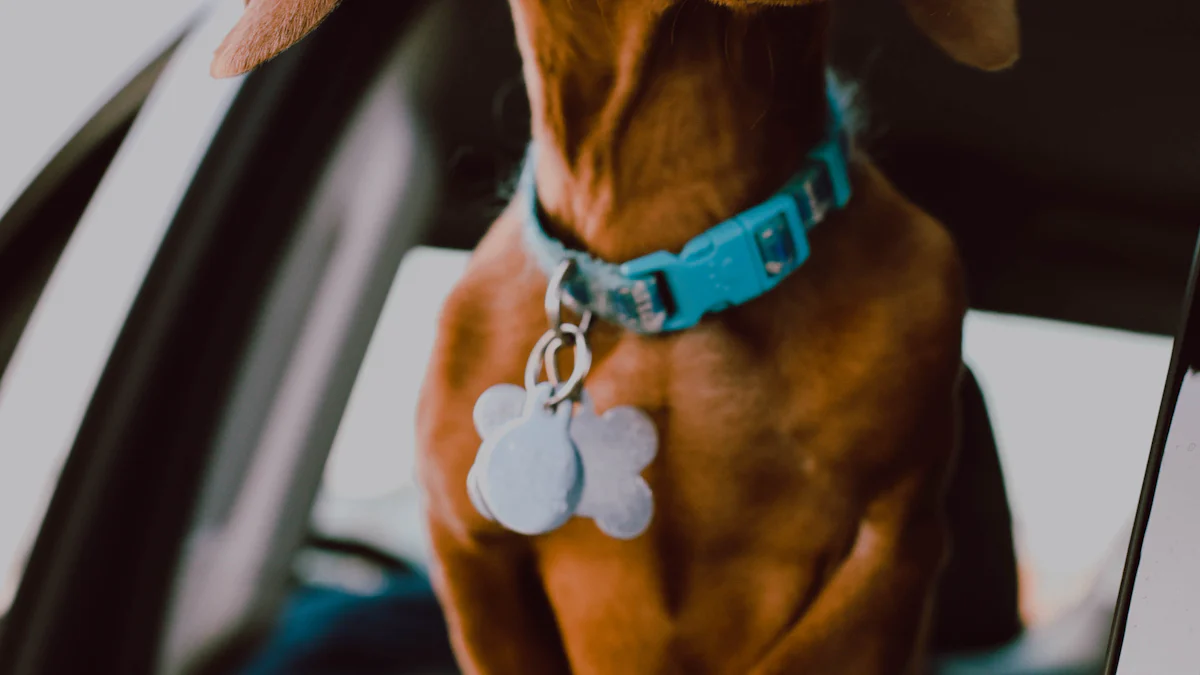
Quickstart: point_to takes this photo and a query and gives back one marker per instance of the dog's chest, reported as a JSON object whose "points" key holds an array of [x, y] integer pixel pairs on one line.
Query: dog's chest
{"points": [[751, 513], [743, 447]]}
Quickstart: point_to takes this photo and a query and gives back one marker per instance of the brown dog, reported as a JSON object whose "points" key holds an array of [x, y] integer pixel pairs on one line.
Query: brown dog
{"points": [[806, 435]]}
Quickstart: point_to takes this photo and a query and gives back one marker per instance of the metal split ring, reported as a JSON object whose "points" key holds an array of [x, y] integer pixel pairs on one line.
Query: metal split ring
{"points": [[544, 353], [556, 298], [550, 361]]}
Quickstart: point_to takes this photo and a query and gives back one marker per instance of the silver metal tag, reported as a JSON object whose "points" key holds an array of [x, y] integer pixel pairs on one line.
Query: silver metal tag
{"points": [[615, 448], [527, 476]]}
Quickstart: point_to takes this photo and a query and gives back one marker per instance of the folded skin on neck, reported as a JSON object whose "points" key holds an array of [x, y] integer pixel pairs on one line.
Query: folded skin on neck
{"points": [[654, 121]]}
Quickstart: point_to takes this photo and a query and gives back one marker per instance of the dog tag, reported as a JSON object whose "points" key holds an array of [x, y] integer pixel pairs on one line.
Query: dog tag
{"points": [[615, 448], [527, 476]]}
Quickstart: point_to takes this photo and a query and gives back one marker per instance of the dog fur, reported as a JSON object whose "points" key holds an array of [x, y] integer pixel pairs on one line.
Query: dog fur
{"points": [[806, 435]]}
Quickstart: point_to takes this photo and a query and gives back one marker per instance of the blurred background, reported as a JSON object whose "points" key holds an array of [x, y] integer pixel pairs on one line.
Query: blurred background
{"points": [[217, 298]]}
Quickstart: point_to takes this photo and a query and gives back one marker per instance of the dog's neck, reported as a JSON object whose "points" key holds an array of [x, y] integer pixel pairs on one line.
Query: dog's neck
{"points": [[651, 125]]}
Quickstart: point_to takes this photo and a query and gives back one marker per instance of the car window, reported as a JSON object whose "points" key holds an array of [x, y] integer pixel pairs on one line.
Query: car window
{"points": [[369, 491], [27, 260], [43, 102]]}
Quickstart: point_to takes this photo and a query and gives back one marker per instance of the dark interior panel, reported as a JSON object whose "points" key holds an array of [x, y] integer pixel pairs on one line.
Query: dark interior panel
{"points": [[1072, 181]]}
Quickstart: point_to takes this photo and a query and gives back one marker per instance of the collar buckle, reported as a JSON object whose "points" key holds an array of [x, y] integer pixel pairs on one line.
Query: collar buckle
{"points": [[728, 265]]}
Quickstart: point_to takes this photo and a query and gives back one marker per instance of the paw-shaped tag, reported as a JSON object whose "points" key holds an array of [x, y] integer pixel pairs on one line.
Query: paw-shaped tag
{"points": [[527, 475], [615, 448]]}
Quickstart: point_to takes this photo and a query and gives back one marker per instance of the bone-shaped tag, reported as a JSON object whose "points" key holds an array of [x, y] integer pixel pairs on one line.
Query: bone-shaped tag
{"points": [[615, 448], [527, 475]]}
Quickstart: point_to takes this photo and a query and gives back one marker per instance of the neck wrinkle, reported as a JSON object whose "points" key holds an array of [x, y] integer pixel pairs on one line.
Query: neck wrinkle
{"points": [[651, 125]]}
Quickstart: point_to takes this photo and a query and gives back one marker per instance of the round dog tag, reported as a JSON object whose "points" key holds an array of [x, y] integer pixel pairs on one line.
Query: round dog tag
{"points": [[527, 476]]}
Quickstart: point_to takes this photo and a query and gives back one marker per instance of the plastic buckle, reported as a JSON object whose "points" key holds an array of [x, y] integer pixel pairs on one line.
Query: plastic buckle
{"points": [[731, 264]]}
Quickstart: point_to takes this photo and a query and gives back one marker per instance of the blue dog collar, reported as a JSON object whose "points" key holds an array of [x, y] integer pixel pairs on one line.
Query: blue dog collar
{"points": [[728, 265]]}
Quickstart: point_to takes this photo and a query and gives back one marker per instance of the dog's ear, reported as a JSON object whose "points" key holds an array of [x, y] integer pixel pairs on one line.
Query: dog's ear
{"points": [[267, 28], [980, 33]]}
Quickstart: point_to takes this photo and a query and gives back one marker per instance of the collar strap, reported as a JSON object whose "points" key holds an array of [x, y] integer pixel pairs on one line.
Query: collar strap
{"points": [[730, 264]]}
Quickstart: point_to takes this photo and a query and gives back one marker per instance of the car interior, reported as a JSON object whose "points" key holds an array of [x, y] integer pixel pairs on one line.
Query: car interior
{"points": [[182, 536]]}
